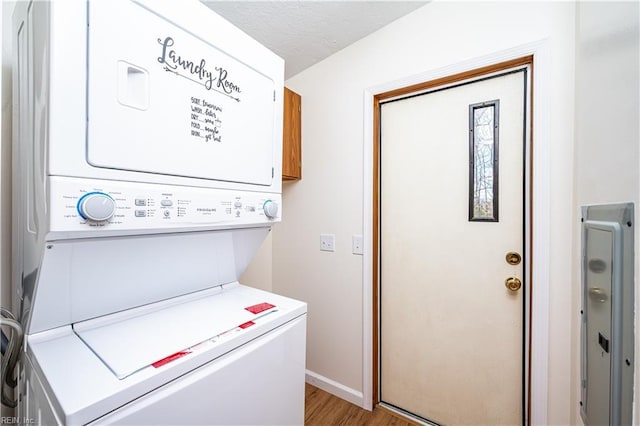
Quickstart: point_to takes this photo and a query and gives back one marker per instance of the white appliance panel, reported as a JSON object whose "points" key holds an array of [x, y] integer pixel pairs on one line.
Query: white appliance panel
{"points": [[162, 100], [32, 405], [152, 208]]}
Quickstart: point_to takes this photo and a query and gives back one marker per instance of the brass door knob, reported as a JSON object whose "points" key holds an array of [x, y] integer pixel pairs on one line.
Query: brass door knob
{"points": [[513, 284]]}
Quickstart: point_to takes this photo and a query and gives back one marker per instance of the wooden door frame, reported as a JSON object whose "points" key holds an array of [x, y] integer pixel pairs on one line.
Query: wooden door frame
{"points": [[538, 229], [425, 87]]}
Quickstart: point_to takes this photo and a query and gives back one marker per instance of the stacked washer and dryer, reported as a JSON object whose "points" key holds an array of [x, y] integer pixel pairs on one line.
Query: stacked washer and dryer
{"points": [[147, 173]]}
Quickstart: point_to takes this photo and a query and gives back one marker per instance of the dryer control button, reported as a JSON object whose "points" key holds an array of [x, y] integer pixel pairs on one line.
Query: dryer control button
{"points": [[96, 206], [166, 203], [270, 208]]}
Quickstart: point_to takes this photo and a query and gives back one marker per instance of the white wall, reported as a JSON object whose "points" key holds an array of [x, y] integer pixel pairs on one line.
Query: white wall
{"points": [[329, 198], [607, 155]]}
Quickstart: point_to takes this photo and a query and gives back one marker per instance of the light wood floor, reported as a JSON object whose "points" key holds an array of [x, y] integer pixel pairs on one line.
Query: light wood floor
{"points": [[325, 409]]}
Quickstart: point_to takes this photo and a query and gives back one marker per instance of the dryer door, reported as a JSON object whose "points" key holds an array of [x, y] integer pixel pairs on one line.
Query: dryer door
{"points": [[163, 100]]}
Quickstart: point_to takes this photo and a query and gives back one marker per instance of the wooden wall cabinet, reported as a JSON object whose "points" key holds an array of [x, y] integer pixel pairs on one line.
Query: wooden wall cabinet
{"points": [[292, 136]]}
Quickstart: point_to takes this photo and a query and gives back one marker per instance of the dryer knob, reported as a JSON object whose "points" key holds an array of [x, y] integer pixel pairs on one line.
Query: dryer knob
{"points": [[270, 209], [96, 206]]}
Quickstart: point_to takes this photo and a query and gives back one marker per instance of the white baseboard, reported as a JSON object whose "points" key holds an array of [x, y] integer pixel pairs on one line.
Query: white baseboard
{"points": [[335, 388]]}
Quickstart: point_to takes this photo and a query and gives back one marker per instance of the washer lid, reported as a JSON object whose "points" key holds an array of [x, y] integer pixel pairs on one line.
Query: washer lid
{"points": [[157, 334]]}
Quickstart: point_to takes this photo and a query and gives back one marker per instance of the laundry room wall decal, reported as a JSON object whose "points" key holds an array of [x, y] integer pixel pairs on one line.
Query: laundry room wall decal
{"points": [[175, 63]]}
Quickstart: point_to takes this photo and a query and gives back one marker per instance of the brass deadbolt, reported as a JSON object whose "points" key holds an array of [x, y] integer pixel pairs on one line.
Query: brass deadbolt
{"points": [[513, 258]]}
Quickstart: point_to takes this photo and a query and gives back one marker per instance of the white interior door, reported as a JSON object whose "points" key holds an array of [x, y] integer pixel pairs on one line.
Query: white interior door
{"points": [[451, 332]]}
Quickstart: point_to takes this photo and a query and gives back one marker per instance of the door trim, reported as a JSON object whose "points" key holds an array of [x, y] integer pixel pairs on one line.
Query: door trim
{"points": [[531, 53]]}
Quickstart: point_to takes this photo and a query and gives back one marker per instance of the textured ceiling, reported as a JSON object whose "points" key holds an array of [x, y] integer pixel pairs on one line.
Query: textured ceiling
{"points": [[306, 32]]}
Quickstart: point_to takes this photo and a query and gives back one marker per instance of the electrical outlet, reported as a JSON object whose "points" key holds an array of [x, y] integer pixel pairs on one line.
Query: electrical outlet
{"points": [[357, 244], [327, 242]]}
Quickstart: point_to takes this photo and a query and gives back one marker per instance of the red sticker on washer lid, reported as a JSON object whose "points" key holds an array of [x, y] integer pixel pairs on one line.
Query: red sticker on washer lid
{"points": [[246, 324], [260, 307], [170, 358]]}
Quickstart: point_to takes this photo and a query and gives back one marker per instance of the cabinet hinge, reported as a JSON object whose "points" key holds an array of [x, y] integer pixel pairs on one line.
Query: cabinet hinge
{"points": [[273, 173], [274, 96]]}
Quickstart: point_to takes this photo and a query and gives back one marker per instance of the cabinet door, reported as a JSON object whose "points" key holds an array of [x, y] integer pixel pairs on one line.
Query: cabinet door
{"points": [[292, 136]]}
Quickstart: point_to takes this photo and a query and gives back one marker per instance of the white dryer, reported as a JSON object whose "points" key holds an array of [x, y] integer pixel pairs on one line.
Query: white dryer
{"points": [[147, 172]]}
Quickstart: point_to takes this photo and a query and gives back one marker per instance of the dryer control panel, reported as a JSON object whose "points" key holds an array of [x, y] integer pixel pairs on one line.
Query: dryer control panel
{"points": [[90, 205]]}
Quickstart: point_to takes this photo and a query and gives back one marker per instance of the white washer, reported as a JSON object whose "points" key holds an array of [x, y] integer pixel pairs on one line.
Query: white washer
{"points": [[202, 358], [147, 173]]}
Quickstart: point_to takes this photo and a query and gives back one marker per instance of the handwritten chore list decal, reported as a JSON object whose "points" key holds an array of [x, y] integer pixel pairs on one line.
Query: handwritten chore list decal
{"points": [[205, 115], [205, 121]]}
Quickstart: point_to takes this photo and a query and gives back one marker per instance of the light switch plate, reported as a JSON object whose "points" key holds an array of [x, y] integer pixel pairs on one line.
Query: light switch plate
{"points": [[357, 244], [327, 242]]}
